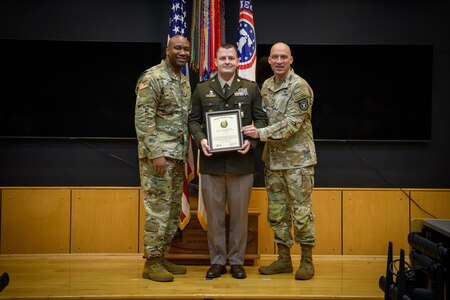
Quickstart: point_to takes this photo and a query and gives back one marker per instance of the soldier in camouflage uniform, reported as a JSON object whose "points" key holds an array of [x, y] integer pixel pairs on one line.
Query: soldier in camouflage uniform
{"points": [[161, 120], [289, 157]]}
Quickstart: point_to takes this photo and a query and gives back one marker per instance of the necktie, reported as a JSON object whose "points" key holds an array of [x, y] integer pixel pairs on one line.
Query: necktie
{"points": [[226, 87]]}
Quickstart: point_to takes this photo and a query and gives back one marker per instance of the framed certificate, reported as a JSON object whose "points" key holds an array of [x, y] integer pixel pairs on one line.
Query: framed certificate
{"points": [[224, 130]]}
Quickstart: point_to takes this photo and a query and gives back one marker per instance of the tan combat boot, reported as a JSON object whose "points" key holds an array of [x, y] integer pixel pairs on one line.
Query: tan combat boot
{"points": [[173, 268], [154, 270], [282, 265], [306, 269]]}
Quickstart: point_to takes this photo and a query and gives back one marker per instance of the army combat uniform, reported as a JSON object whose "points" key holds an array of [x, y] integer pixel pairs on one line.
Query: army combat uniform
{"points": [[289, 157], [161, 120]]}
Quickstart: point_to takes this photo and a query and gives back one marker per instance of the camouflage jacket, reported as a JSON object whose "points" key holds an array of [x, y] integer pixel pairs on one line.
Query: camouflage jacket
{"points": [[161, 114], [289, 136]]}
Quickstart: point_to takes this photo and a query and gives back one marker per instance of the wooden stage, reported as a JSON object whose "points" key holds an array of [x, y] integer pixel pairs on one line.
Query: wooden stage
{"points": [[94, 276]]}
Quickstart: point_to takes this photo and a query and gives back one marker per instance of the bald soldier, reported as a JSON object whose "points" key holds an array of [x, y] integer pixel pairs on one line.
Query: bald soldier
{"points": [[161, 120], [289, 158]]}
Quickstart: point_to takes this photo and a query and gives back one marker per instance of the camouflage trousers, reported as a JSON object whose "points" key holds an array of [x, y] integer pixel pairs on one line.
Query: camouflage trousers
{"points": [[290, 203], [162, 203]]}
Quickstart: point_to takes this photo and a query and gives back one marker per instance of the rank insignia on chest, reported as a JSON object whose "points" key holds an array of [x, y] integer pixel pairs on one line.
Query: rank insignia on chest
{"points": [[210, 94], [241, 92]]}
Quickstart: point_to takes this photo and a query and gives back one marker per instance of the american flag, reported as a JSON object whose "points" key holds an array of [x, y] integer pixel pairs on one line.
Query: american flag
{"points": [[178, 26], [246, 44], [177, 19]]}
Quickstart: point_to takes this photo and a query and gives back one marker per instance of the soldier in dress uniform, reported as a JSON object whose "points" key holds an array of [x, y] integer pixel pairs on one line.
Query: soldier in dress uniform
{"points": [[289, 157], [161, 121], [226, 177]]}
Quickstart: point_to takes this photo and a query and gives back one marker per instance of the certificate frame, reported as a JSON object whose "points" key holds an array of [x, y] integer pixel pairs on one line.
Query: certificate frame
{"points": [[223, 130]]}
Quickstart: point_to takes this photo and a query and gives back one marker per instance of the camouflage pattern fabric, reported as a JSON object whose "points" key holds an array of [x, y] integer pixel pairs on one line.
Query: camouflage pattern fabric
{"points": [[161, 121], [162, 203], [289, 156], [289, 136], [289, 193], [162, 110]]}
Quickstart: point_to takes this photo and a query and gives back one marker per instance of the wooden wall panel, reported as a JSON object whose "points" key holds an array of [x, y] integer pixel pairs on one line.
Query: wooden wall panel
{"points": [[110, 220], [105, 221], [435, 202], [259, 202], [35, 221], [327, 208], [141, 222], [372, 218]]}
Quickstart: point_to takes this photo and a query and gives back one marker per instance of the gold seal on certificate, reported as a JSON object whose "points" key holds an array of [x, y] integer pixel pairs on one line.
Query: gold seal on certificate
{"points": [[224, 130]]}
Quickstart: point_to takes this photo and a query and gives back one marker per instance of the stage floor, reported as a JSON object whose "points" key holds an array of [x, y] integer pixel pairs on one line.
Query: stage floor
{"points": [[94, 276]]}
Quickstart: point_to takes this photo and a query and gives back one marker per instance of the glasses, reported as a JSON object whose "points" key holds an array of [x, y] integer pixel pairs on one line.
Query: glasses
{"points": [[279, 57]]}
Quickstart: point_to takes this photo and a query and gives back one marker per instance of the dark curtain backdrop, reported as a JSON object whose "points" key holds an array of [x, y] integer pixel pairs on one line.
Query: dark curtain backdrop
{"points": [[110, 162]]}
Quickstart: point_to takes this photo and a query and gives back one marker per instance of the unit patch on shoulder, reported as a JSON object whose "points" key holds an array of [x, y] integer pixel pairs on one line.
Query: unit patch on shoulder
{"points": [[304, 105]]}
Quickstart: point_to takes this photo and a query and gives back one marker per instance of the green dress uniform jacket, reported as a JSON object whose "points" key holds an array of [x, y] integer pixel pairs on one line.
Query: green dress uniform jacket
{"points": [[208, 97]]}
